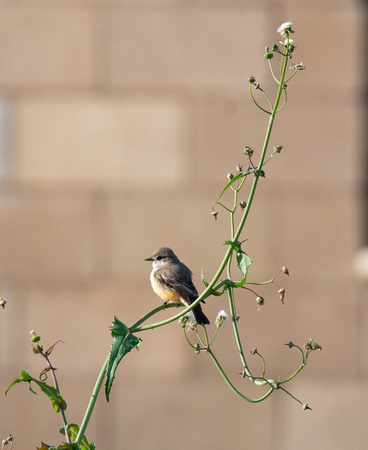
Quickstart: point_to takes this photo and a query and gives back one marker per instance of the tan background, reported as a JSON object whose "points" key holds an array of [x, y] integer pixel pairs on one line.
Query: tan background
{"points": [[119, 122]]}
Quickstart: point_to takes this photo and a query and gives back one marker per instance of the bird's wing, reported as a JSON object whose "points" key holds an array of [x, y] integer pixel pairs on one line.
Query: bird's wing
{"points": [[183, 285]]}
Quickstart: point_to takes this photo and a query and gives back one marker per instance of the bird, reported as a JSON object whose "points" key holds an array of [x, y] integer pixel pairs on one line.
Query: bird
{"points": [[172, 281]]}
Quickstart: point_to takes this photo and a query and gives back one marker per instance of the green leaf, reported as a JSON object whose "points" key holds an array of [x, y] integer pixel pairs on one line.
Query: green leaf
{"points": [[244, 262], [73, 430], [57, 400], [63, 446], [123, 343], [233, 245], [214, 290], [242, 259], [237, 177]]}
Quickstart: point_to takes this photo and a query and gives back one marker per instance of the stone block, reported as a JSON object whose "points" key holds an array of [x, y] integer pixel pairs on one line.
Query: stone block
{"points": [[45, 237], [100, 141], [337, 421], [48, 46], [186, 47]]}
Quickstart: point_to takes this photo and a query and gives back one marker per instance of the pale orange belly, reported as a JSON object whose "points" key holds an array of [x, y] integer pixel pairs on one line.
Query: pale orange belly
{"points": [[166, 294]]}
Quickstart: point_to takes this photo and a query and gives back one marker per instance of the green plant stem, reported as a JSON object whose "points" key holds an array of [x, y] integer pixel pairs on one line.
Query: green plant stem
{"points": [[236, 333], [56, 385], [293, 375], [187, 339], [135, 329], [214, 336], [230, 292], [155, 311], [272, 72], [91, 403], [232, 387], [235, 236], [292, 396], [263, 154]]}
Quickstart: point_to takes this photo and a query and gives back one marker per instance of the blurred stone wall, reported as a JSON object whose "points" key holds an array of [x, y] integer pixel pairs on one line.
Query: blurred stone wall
{"points": [[119, 121]]}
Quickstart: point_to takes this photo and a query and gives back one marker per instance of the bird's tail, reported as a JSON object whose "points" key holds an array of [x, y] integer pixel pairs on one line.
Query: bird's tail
{"points": [[199, 316]]}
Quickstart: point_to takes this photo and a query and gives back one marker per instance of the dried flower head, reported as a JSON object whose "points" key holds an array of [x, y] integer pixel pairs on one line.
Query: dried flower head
{"points": [[299, 66], [260, 302], [278, 148], [282, 295], [2, 302], [312, 345]]}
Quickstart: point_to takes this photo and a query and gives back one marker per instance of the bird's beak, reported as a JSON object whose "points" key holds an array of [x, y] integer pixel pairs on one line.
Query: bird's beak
{"points": [[149, 259]]}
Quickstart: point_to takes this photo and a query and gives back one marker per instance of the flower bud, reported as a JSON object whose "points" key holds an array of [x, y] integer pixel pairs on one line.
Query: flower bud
{"points": [[285, 270], [260, 302], [248, 151], [267, 55], [230, 176], [243, 204]]}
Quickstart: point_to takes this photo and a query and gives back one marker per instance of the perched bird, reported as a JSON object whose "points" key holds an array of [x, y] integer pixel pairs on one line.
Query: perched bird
{"points": [[172, 281]]}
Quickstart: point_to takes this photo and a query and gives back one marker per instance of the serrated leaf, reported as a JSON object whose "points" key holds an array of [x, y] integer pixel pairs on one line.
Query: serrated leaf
{"points": [[123, 343], [63, 446], [73, 430], [57, 400]]}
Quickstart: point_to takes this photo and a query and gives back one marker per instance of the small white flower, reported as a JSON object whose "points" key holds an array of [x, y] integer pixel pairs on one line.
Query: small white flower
{"points": [[222, 317], [285, 28], [186, 318]]}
